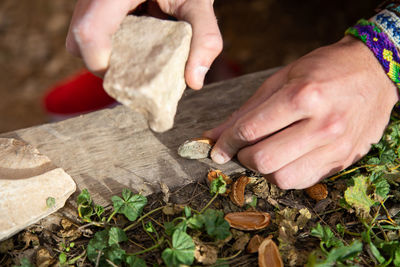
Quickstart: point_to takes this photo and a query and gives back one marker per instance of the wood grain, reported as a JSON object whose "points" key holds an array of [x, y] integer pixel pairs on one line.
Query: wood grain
{"points": [[111, 149]]}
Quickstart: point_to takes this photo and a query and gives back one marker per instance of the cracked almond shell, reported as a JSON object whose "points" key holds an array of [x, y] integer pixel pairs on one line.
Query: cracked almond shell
{"points": [[254, 244], [317, 192], [237, 190], [268, 254], [248, 220], [196, 148], [213, 174]]}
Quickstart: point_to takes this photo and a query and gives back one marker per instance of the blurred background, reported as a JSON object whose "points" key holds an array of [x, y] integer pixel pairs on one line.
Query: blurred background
{"points": [[258, 34]]}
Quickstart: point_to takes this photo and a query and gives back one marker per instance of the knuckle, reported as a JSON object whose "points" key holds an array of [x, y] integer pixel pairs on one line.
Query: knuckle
{"points": [[284, 180], [213, 42], [245, 132], [83, 34], [344, 149], [263, 162], [307, 98], [334, 128]]}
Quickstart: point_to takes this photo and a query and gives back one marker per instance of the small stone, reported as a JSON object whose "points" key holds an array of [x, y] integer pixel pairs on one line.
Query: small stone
{"points": [[147, 64]]}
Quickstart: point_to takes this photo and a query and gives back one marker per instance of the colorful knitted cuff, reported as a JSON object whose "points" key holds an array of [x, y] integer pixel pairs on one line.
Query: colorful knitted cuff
{"points": [[389, 23], [382, 47]]}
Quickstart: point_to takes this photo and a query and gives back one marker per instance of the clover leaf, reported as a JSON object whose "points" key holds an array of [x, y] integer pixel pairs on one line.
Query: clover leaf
{"points": [[218, 185], [134, 261], [182, 251], [131, 205], [215, 224]]}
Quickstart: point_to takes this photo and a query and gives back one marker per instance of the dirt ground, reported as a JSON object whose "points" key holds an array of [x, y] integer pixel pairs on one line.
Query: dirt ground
{"points": [[258, 34]]}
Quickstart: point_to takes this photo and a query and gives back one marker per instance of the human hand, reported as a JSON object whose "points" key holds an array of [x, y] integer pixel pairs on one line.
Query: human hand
{"points": [[94, 22], [312, 118]]}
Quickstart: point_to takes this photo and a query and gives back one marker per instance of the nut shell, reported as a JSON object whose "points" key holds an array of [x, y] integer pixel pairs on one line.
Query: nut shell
{"points": [[317, 192], [204, 140], [254, 244], [196, 148], [268, 254], [213, 174], [248, 220], [237, 190]]}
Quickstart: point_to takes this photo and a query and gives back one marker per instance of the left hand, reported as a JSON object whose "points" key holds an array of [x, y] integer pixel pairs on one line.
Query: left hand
{"points": [[312, 118]]}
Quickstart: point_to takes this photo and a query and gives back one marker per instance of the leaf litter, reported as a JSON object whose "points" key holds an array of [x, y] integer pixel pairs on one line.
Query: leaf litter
{"points": [[356, 224]]}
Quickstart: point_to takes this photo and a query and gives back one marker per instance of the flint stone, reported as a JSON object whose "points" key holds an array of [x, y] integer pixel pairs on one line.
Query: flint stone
{"points": [[27, 180], [146, 68]]}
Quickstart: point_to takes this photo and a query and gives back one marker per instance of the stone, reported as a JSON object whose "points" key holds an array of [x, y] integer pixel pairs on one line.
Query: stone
{"points": [[31, 186], [146, 67]]}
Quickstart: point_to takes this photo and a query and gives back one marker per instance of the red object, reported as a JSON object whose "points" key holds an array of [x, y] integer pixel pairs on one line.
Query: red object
{"points": [[78, 94]]}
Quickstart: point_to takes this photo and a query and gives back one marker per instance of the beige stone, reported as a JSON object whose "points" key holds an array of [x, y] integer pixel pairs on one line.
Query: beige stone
{"points": [[146, 70], [31, 187]]}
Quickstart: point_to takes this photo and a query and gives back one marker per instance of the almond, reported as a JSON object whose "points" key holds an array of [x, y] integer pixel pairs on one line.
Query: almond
{"points": [[248, 220], [254, 244], [237, 190], [196, 148], [213, 174], [268, 254], [317, 192], [204, 140]]}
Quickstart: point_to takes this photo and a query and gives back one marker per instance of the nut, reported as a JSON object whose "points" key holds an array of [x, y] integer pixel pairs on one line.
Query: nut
{"points": [[237, 190], [254, 244], [213, 174], [196, 148], [205, 140], [248, 220], [268, 254], [317, 192]]}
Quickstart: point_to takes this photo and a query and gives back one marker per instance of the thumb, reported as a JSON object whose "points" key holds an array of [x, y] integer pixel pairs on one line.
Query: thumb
{"points": [[206, 40]]}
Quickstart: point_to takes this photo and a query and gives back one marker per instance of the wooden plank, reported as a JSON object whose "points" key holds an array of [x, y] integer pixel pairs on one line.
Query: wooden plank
{"points": [[111, 149]]}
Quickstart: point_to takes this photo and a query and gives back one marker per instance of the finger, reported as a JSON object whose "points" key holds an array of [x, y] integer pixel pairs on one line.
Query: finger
{"points": [[284, 147], [269, 87], [279, 111], [206, 40], [92, 26], [313, 167]]}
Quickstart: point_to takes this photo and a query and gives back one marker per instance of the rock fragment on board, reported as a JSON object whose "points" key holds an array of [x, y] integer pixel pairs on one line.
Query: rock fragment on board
{"points": [[146, 69], [31, 186]]}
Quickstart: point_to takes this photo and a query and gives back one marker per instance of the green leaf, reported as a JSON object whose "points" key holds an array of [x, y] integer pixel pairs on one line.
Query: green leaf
{"points": [[253, 202], [97, 245], [131, 205], [382, 188], [84, 198], [62, 258], [134, 261], [50, 202], [376, 253], [396, 260], [99, 210], [115, 254], [196, 222], [341, 254], [25, 263], [182, 251], [116, 235], [148, 227], [218, 185], [187, 212], [326, 235], [357, 196], [169, 228], [215, 224]]}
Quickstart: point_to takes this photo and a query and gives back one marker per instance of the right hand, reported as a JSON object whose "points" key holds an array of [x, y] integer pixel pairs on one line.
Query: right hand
{"points": [[94, 22]]}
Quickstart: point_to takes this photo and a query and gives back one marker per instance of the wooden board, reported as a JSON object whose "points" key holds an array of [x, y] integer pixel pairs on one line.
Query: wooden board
{"points": [[111, 149]]}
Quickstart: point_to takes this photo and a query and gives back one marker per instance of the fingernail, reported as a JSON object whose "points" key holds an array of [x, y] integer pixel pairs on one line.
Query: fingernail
{"points": [[200, 74], [218, 157]]}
